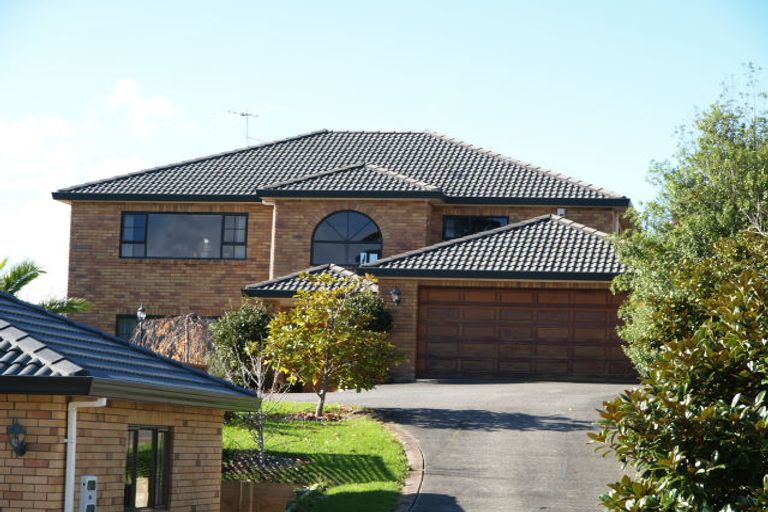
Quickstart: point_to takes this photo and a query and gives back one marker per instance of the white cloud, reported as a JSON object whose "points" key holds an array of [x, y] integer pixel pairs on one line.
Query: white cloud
{"points": [[141, 113], [41, 153]]}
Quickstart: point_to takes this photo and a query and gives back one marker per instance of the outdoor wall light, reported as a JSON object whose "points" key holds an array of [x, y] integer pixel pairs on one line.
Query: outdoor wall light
{"points": [[397, 297], [141, 315], [16, 433]]}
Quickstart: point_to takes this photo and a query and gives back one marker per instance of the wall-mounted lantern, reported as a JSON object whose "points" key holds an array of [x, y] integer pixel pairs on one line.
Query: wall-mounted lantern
{"points": [[141, 315], [397, 297], [16, 434]]}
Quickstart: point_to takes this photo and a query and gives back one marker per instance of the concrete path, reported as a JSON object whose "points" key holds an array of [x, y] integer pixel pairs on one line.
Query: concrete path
{"points": [[500, 446]]}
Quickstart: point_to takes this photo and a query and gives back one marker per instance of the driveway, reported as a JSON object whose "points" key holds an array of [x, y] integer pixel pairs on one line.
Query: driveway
{"points": [[500, 446]]}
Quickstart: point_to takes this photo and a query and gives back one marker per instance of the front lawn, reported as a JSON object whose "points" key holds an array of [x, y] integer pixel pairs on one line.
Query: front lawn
{"points": [[355, 463]]}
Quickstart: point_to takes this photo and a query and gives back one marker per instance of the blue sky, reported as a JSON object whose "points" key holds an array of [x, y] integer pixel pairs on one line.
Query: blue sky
{"points": [[592, 89]]}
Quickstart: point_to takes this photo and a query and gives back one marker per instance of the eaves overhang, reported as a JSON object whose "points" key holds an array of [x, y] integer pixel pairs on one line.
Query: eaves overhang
{"points": [[123, 390], [206, 198], [489, 274]]}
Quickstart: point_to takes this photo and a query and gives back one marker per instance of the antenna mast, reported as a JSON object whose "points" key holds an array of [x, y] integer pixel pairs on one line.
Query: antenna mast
{"points": [[246, 116]]}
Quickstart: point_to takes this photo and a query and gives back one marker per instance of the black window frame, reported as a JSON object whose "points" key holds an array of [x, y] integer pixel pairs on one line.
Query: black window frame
{"points": [[146, 215], [165, 497], [342, 242], [472, 217], [120, 317]]}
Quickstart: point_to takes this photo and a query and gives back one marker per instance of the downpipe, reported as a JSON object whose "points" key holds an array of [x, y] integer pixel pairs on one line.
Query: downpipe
{"points": [[69, 482]]}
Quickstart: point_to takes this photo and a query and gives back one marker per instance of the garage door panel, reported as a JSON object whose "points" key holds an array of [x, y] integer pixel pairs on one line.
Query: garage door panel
{"points": [[513, 350], [513, 333], [478, 332], [517, 315], [552, 333], [479, 313], [486, 350]]}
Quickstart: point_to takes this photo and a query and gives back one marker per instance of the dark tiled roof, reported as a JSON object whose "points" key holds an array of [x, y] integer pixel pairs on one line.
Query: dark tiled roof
{"points": [[463, 173], [288, 285], [547, 247], [353, 180], [38, 343]]}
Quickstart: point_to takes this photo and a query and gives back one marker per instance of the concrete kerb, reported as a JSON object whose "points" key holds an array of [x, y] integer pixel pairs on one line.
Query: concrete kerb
{"points": [[409, 494]]}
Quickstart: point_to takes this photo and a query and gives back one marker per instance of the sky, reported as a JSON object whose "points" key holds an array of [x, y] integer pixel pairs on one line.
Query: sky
{"points": [[592, 89]]}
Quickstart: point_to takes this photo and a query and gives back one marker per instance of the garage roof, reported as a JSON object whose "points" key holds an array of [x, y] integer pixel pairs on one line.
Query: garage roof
{"points": [[43, 352], [288, 285], [462, 172], [543, 248]]}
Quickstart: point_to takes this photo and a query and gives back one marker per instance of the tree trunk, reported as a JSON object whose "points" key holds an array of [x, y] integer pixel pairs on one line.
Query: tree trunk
{"points": [[321, 397]]}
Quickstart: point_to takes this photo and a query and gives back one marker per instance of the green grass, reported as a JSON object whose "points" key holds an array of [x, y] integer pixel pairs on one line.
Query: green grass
{"points": [[356, 462]]}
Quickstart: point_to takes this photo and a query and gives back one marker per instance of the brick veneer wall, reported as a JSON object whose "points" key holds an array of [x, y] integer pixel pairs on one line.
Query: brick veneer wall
{"points": [[36, 481], [404, 226], [603, 219], [405, 316], [166, 286]]}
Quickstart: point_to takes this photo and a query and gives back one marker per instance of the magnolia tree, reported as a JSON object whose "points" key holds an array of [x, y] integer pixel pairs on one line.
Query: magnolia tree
{"points": [[335, 336], [239, 354]]}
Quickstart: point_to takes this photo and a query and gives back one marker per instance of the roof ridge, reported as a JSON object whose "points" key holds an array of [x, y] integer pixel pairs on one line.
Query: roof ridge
{"points": [[403, 177], [528, 165], [462, 239], [577, 225], [368, 165], [212, 156], [23, 344], [317, 268], [132, 346]]}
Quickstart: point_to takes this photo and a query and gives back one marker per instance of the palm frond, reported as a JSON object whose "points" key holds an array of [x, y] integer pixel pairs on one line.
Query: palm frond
{"points": [[19, 275], [66, 306]]}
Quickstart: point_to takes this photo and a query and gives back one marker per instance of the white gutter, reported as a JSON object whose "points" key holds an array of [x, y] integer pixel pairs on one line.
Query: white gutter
{"points": [[69, 483]]}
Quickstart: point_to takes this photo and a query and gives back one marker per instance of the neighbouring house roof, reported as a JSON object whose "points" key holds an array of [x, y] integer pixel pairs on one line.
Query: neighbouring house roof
{"points": [[543, 248], [287, 286], [375, 164], [42, 352]]}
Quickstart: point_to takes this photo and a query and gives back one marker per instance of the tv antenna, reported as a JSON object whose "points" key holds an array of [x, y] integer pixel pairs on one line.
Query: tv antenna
{"points": [[246, 116]]}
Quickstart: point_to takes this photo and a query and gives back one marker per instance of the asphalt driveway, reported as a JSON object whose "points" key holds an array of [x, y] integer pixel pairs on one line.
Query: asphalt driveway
{"points": [[500, 446]]}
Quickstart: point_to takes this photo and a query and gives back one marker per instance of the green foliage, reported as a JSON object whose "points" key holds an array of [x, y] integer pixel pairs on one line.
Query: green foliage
{"points": [[716, 187], [696, 430], [370, 304], [326, 338], [239, 339], [16, 277]]}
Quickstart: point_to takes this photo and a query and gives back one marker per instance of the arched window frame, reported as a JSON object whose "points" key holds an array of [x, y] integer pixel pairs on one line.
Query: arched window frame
{"points": [[346, 243]]}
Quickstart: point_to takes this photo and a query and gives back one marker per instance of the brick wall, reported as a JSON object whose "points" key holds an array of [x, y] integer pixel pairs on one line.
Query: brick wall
{"points": [[403, 225], [405, 316], [167, 287], [36, 481]]}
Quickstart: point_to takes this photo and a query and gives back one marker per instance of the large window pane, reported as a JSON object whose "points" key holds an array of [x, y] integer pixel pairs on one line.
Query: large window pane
{"points": [[329, 253], [147, 459], [184, 236], [456, 226], [144, 464]]}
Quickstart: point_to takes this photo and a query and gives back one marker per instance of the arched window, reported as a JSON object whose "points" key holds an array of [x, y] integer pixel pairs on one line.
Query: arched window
{"points": [[346, 238]]}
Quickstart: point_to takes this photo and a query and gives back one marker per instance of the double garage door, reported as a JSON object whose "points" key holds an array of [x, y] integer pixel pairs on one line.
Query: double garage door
{"points": [[487, 333]]}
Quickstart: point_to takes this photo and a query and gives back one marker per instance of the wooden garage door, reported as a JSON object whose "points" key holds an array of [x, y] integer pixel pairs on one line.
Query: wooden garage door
{"points": [[519, 333]]}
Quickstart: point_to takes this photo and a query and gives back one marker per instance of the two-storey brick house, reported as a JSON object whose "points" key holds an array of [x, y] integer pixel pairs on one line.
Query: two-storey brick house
{"points": [[502, 267]]}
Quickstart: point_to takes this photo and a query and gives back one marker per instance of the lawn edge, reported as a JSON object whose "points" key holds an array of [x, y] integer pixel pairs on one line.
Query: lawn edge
{"points": [[409, 493]]}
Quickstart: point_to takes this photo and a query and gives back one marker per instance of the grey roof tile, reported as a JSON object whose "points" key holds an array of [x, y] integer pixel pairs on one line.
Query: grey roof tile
{"points": [[461, 171], [288, 285], [36, 342], [546, 247]]}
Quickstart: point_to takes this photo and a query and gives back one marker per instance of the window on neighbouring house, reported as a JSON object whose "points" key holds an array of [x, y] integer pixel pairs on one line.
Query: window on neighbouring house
{"points": [[456, 226], [183, 235], [346, 238], [126, 324], [147, 467]]}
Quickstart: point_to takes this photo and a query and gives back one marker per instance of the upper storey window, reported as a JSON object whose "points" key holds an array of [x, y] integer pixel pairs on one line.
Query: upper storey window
{"points": [[457, 226], [346, 238], [183, 235]]}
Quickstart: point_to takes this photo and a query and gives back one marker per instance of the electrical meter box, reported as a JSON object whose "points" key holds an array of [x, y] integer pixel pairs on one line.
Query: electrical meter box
{"points": [[89, 487]]}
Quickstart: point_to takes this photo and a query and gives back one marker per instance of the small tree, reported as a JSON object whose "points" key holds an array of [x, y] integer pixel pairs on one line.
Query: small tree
{"points": [[696, 430], [239, 343], [16, 277], [328, 339]]}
